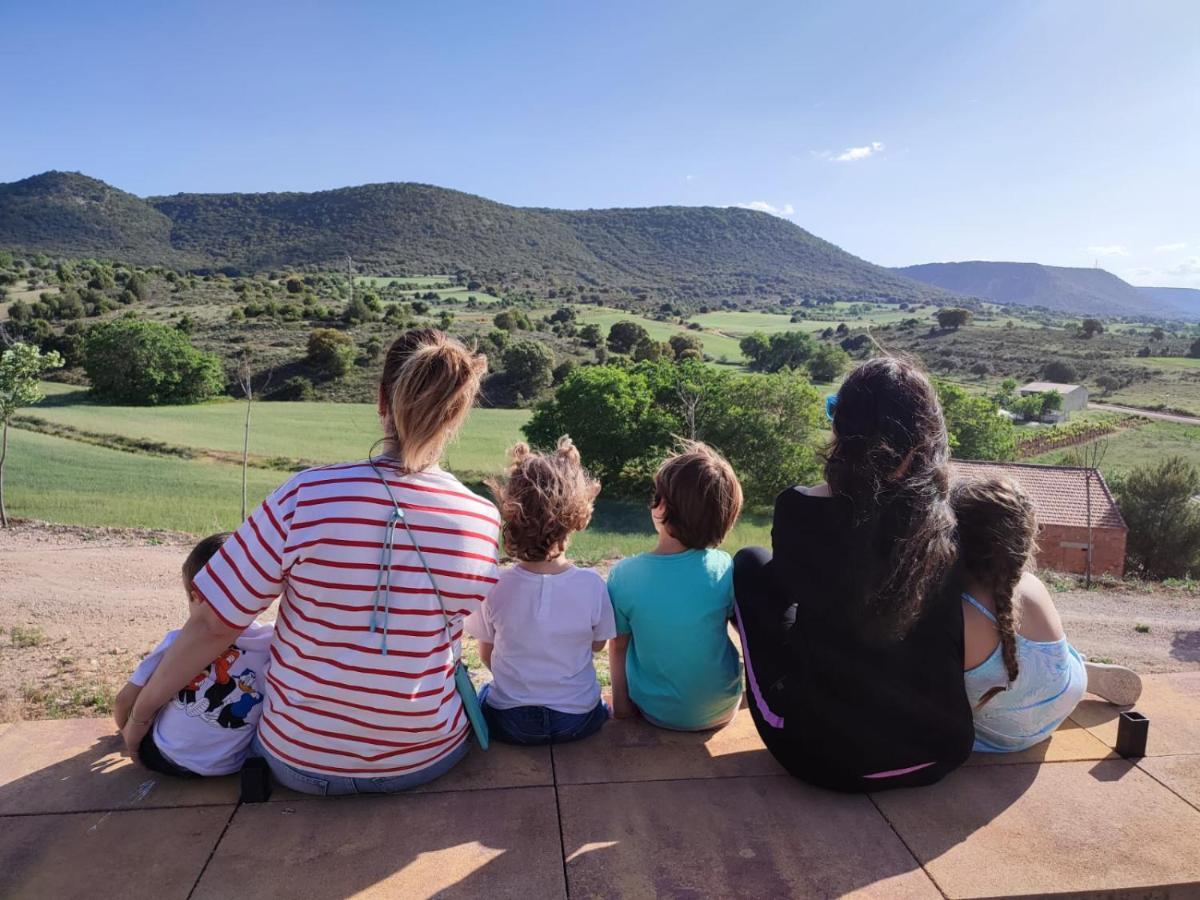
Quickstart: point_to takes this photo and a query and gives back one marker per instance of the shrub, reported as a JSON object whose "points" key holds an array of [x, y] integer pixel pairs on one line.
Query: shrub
{"points": [[977, 428], [295, 388], [1157, 501], [1059, 372], [827, 363], [136, 362], [953, 317], [331, 352]]}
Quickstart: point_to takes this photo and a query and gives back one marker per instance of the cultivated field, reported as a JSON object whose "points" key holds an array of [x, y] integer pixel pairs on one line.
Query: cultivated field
{"points": [[63, 479]]}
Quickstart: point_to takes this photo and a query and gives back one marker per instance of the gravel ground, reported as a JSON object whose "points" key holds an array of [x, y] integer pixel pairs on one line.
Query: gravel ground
{"points": [[80, 606]]}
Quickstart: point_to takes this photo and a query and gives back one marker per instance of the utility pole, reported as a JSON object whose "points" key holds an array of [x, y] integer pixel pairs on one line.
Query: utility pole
{"points": [[1093, 455], [350, 275]]}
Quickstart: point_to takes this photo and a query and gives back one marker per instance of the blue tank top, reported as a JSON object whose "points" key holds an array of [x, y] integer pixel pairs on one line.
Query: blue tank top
{"points": [[1051, 680]]}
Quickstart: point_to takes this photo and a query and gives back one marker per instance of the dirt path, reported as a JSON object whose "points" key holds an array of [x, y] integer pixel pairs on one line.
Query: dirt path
{"points": [[80, 606], [1147, 413]]}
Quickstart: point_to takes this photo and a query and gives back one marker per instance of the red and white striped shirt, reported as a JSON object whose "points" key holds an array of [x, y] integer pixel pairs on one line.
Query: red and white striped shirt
{"points": [[335, 703]]}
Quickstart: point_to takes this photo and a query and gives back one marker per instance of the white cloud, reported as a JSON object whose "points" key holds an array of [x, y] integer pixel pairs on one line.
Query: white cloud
{"points": [[1170, 248], [853, 154], [1108, 250], [689, 177], [763, 206]]}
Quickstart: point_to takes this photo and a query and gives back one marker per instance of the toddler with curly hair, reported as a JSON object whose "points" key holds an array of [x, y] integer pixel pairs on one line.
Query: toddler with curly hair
{"points": [[545, 617]]}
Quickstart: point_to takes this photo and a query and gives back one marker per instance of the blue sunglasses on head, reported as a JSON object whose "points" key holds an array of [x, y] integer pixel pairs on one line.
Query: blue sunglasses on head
{"points": [[830, 406]]}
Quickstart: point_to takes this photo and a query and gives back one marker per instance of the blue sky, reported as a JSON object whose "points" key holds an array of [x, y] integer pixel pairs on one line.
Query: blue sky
{"points": [[1061, 132]]}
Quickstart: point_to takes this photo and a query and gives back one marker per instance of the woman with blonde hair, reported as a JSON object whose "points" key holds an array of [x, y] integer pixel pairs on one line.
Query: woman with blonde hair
{"points": [[376, 564]]}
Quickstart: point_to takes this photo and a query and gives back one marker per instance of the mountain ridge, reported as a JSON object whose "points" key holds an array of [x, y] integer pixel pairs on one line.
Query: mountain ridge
{"points": [[1077, 291], [691, 254]]}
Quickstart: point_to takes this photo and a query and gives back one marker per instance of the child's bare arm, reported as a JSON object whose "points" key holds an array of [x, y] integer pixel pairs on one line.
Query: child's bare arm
{"points": [[124, 702], [485, 653], [623, 707], [597, 646]]}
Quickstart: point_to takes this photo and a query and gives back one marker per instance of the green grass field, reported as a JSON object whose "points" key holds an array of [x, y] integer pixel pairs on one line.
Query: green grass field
{"points": [[63, 480], [422, 283], [321, 432], [715, 345], [742, 323]]}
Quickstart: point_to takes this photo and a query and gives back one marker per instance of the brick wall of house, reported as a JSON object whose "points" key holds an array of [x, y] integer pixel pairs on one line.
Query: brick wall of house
{"points": [[1064, 549]]}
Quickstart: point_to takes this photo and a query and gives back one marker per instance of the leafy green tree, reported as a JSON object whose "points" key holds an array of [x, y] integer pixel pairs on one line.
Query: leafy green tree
{"points": [[141, 363], [591, 335], [1089, 328], [511, 320], [1158, 503], [331, 352], [609, 412], [357, 311], [1059, 372], [529, 367], [1194, 350], [953, 317], [977, 428], [650, 350], [827, 363], [783, 350], [136, 284], [21, 368], [624, 336], [681, 344]]}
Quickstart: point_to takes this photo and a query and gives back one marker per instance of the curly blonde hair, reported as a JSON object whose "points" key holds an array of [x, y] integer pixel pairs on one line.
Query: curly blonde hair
{"points": [[544, 498]]}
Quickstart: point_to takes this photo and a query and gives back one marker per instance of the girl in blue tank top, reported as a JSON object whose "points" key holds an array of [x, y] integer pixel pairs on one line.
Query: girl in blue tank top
{"points": [[1022, 676]]}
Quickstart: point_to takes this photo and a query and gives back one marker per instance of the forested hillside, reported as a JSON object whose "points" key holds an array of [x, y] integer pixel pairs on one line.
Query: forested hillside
{"points": [[685, 254]]}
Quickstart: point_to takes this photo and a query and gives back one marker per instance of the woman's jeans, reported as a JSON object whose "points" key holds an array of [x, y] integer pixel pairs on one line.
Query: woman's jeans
{"points": [[334, 785], [533, 725]]}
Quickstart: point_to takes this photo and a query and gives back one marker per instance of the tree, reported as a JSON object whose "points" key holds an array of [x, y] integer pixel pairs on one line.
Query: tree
{"points": [[137, 362], [21, 368], [688, 344], [1108, 383], [357, 311], [609, 413], [783, 350], [1089, 328], [976, 427], [1157, 502], [625, 335], [1194, 350], [827, 363], [649, 350], [953, 317], [1059, 372], [331, 352], [529, 367], [591, 335], [1157, 334], [511, 320]]}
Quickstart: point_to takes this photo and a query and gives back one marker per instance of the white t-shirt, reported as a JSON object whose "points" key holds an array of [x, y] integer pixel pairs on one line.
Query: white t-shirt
{"points": [[543, 627], [207, 726]]}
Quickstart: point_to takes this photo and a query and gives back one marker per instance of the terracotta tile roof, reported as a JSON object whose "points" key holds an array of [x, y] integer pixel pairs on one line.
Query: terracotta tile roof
{"points": [[1058, 492]]}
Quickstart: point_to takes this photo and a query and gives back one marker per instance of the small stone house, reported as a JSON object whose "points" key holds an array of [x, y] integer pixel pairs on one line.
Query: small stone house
{"points": [[1061, 496], [1075, 397]]}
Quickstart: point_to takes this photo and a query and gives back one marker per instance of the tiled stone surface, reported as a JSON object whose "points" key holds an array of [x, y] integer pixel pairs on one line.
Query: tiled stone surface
{"points": [[631, 750], [747, 837], [500, 766], [1179, 773], [135, 853], [494, 844], [1070, 742], [1028, 829], [72, 765], [1171, 702]]}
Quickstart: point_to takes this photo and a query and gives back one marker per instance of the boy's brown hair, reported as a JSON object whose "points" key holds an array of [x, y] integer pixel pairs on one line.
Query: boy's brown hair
{"points": [[700, 495], [543, 498], [201, 554]]}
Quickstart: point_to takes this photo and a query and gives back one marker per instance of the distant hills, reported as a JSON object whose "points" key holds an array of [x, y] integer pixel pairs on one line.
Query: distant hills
{"points": [[690, 254], [1066, 290]]}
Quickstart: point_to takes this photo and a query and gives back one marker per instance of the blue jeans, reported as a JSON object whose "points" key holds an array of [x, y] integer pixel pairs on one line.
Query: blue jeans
{"points": [[532, 725], [335, 785]]}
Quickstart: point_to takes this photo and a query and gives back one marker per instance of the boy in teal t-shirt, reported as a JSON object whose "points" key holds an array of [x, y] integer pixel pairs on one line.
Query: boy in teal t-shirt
{"points": [[672, 658]]}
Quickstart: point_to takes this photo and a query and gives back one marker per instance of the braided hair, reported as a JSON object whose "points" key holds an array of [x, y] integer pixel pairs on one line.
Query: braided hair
{"points": [[997, 531]]}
